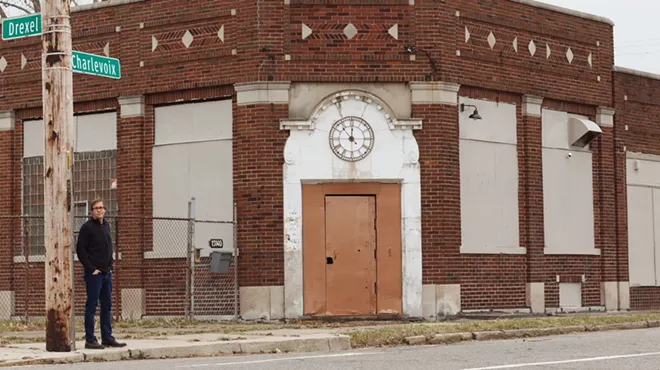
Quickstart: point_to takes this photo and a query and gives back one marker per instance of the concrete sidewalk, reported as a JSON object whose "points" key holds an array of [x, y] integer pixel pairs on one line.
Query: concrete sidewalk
{"points": [[179, 346]]}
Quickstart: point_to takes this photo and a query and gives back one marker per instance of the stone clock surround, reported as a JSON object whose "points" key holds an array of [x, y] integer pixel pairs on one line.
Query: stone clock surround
{"points": [[393, 159]]}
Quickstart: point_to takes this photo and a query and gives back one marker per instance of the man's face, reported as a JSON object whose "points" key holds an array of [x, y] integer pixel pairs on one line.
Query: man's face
{"points": [[98, 211]]}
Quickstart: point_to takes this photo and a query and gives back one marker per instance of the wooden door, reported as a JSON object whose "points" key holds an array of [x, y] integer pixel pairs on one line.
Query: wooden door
{"points": [[350, 250]]}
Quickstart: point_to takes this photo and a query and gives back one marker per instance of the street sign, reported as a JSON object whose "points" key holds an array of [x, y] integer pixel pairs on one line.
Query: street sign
{"points": [[23, 26], [96, 65]]}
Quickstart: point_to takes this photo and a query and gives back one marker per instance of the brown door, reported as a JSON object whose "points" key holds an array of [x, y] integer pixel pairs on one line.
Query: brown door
{"points": [[350, 250]]}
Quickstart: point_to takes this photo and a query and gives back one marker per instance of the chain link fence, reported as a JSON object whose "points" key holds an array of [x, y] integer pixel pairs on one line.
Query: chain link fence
{"points": [[164, 268]]}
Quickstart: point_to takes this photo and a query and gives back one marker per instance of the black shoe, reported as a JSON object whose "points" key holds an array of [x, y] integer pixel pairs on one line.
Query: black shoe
{"points": [[113, 343], [93, 345]]}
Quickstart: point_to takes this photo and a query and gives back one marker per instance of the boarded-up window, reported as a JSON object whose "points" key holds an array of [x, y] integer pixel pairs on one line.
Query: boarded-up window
{"points": [[568, 209], [489, 179], [192, 158], [643, 178], [94, 169]]}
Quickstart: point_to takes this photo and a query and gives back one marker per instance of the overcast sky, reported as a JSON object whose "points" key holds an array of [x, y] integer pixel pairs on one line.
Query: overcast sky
{"points": [[636, 29]]}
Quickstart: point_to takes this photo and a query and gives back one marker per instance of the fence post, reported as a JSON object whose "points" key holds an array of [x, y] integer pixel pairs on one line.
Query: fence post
{"points": [[191, 243], [26, 254], [116, 282], [235, 261], [188, 258]]}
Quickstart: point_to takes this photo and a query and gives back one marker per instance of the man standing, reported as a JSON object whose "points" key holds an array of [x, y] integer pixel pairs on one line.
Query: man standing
{"points": [[94, 251]]}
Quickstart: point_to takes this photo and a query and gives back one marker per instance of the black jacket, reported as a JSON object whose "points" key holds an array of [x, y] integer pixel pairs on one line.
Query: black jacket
{"points": [[94, 246]]}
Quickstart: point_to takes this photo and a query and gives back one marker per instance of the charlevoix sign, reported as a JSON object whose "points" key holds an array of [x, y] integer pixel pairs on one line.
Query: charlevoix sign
{"points": [[95, 65]]}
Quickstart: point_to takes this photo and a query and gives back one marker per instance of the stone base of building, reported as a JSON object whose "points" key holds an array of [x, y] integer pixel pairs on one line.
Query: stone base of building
{"points": [[7, 304], [441, 300], [262, 302], [133, 304]]}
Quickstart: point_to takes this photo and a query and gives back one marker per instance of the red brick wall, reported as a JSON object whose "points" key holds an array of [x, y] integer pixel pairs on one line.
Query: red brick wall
{"points": [[258, 163], [173, 73], [7, 226], [372, 55], [637, 107]]}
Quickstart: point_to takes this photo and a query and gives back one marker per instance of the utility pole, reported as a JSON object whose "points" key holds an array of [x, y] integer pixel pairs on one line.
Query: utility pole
{"points": [[57, 80]]}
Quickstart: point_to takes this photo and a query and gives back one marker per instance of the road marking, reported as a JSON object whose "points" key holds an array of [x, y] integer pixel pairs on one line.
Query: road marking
{"points": [[279, 359], [566, 361]]}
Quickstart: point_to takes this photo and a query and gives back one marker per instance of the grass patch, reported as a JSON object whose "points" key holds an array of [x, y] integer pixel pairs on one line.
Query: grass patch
{"points": [[396, 334]]}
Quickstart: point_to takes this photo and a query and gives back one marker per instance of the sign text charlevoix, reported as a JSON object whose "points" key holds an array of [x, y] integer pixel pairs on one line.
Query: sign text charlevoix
{"points": [[95, 65]]}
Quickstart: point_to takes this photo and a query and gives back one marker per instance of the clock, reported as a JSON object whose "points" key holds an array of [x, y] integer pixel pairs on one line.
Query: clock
{"points": [[351, 138]]}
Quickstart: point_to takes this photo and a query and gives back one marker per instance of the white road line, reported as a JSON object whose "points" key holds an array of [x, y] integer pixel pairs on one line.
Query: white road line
{"points": [[277, 359], [566, 361]]}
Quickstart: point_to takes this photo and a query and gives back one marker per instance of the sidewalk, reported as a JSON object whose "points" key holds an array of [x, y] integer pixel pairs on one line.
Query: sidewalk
{"points": [[177, 346], [223, 339]]}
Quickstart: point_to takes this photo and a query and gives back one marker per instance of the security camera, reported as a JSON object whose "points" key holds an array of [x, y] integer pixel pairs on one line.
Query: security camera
{"points": [[570, 155]]}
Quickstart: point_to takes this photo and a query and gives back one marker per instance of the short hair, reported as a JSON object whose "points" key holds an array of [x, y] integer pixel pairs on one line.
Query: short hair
{"points": [[95, 202]]}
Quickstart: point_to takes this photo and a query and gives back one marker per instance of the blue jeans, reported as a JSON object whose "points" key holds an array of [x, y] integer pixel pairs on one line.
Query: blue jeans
{"points": [[99, 288]]}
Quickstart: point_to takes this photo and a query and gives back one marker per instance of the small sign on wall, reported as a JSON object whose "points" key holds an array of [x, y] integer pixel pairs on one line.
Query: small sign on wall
{"points": [[113, 183], [216, 243]]}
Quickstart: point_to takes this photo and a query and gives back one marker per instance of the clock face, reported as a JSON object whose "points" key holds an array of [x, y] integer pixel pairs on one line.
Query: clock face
{"points": [[351, 138]]}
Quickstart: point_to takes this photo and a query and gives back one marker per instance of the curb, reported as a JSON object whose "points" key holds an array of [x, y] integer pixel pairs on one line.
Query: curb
{"points": [[525, 333], [255, 346]]}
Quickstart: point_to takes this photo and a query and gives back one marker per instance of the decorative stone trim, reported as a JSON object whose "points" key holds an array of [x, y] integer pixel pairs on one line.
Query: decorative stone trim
{"points": [[605, 116], [262, 92], [532, 105], [434, 92], [7, 120], [404, 124], [103, 4], [636, 72], [131, 106], [559, 9], [393, 122]]}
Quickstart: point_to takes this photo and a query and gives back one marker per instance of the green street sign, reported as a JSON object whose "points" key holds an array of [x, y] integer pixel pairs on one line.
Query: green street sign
{"points": [[95, 65], [23, 26]]}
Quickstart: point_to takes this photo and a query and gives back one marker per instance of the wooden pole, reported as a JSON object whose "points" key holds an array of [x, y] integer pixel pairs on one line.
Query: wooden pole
{"points": [[57, 82]]}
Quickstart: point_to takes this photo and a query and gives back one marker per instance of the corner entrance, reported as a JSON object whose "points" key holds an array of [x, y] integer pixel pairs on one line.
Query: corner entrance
{"points": [[352, 250]]}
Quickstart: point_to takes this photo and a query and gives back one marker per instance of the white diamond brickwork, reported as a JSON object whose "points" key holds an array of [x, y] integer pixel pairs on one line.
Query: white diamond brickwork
{"points": [[491, 40], [532, 47], [515, 44], [187, 39], [394, 31], [350, 31], [221, 33], [306, 31]]}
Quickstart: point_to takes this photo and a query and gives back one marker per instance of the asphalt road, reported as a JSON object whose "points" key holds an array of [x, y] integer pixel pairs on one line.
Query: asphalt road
{"points": [[629, 349]]}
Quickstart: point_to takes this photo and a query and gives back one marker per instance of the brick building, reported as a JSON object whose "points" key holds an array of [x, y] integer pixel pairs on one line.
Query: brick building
{"points": [[391, 157]]}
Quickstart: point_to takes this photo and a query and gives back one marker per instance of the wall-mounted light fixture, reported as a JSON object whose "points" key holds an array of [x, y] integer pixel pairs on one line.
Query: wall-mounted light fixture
{"points": [[475, 115], [411, 49]]}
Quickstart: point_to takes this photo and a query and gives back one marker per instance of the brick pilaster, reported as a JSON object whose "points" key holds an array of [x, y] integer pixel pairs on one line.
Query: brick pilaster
{"points": [[531, 165], [130, 232], [258, 165], [436, 104], [8, 227]]}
